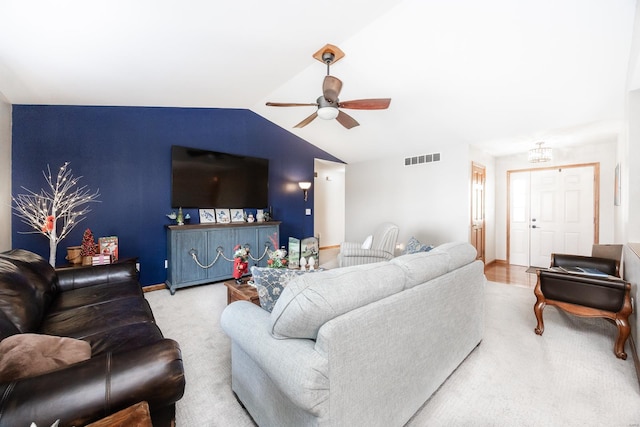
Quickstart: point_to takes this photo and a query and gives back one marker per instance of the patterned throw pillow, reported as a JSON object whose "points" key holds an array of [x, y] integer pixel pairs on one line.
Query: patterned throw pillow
{"points": [[270, 282], [414, 245]]}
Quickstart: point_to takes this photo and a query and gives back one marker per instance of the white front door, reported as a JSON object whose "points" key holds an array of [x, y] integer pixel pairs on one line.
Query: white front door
{"points": [[551, 211]]}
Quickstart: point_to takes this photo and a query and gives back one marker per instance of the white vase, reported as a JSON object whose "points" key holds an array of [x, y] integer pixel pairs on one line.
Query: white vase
{"points": [[303, 263], [311, 262]]}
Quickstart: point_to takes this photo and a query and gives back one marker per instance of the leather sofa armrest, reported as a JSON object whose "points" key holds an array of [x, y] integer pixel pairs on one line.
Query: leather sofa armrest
{"points": [[95, 388], [81, 277]]}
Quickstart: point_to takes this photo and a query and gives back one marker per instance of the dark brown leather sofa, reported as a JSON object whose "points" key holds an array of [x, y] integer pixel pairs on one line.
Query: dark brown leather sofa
{"points": [[586, 296], [130, 360]]}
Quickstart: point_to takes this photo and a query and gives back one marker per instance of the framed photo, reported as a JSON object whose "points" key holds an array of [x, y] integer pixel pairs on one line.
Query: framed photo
{"points": [[237, 215], [207, 215], [223, 216]]}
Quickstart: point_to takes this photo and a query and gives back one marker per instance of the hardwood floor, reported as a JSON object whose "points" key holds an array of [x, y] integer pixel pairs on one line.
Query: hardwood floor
{"points": [[510, 274]]}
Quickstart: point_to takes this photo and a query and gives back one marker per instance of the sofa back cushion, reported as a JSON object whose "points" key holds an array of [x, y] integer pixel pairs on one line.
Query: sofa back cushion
{"points": [[310, 300], [460, 253], [421, 267]]}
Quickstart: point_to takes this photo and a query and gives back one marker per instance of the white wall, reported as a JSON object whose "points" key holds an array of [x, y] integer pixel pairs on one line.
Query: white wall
{"points": [[329, 202], [5, 174], [631, 171], [430, 201], [603, 152]]}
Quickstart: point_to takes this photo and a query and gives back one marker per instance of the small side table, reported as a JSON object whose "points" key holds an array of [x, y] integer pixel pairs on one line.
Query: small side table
{"points": [[133, 416], [243, 292]]}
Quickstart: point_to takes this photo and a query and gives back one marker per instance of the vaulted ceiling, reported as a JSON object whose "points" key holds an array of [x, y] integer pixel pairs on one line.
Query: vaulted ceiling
{"points": [[498, 74]]}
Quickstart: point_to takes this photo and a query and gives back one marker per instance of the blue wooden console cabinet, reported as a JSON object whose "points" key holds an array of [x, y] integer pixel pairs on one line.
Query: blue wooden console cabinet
{"points": [[192, 250]]}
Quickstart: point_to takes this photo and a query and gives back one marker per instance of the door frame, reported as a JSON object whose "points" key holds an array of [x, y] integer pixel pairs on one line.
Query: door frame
{"points": [[482, 170], [596, 198]]}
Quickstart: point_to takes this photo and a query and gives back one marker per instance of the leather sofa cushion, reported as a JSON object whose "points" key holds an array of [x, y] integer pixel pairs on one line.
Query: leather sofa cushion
{"points": [[311, 300], [28, 355], [97, 294], [88, 320]]}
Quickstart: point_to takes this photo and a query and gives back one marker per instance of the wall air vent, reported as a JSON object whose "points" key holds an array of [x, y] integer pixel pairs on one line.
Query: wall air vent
{"points": [[421, 159]]}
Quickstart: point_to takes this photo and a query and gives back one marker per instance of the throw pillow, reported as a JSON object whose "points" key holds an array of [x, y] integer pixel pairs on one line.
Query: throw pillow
{"points": [[270, 282], [414, 245], [367, 242], [28, 355]]}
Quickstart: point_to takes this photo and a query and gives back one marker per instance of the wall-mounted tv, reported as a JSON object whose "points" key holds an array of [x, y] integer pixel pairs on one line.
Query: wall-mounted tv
{"points": [[211, 179]]}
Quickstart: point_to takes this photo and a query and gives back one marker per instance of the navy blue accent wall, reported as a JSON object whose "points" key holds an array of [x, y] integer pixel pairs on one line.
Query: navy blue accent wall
{"points": [[125, 152]]}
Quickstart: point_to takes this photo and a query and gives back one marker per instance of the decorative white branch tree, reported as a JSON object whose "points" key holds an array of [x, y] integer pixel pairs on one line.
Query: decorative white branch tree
{"points": [[63, 202]]}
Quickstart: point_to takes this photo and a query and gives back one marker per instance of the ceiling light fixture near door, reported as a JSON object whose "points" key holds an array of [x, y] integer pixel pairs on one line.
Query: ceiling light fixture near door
{"points": [[540, 154]]}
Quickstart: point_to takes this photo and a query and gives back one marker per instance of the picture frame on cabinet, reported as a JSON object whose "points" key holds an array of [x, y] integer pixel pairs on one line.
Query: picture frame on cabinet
{"points": [[237, 215], [223, 216], [207, 216]]}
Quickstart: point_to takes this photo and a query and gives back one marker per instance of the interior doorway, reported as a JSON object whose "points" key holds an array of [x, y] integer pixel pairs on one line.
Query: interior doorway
{"points": [[552, 210], [329, 203], [478, 180]]}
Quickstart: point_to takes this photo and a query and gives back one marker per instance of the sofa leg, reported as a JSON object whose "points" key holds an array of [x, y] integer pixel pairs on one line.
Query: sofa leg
{"points": [[539, 307], [623, 333]]}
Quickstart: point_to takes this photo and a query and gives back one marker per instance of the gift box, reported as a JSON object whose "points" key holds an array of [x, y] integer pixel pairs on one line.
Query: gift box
{"points": [[101, 259]]}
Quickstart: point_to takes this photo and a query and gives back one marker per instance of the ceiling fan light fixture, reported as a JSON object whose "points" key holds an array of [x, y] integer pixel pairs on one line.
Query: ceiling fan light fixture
{"points": [[540, 154], [328, 113]]}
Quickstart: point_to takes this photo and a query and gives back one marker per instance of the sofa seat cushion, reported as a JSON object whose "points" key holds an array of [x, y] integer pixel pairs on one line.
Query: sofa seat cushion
{"points": [[123, 338], [310, 300], [84, 321], [421, 267], [28, 355], [97, 294]]}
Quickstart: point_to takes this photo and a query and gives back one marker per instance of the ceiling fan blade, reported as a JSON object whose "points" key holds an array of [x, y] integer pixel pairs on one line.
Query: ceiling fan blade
{"points": [[331, 87], [289, 104], [346, 120], [306, 121], [366, 104]]}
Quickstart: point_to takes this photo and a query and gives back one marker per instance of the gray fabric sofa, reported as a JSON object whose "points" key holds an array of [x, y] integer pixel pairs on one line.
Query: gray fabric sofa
{"points": [[363, 345]]}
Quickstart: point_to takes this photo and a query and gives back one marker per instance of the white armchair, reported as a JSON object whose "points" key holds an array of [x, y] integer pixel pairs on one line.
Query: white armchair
{"points": [[381, 247]]}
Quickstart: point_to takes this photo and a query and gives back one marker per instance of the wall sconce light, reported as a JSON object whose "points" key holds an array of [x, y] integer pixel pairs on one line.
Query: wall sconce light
{"points": [[305, 188]]}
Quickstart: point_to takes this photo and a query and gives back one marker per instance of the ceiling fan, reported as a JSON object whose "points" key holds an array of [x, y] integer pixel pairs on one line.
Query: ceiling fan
{"points": [[328, 103]]}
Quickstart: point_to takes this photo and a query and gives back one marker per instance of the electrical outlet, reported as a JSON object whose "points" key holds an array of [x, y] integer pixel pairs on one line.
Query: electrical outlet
{"points": [[166, 264], [307, 211]]}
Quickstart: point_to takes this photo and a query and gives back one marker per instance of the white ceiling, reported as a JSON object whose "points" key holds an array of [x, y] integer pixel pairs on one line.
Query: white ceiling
{"points": [[498, 74]]}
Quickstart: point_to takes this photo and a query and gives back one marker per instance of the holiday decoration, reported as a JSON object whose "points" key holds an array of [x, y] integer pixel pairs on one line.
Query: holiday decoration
{"points": [[240, 263], [88, 247], [277, 257], [62, 203]]}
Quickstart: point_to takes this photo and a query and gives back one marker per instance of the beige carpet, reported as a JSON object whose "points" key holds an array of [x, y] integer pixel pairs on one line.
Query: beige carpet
{"points": [[567, 377]]}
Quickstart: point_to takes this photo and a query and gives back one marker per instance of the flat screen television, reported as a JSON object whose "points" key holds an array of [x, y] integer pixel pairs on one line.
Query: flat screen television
{"points": [[212, 179]]}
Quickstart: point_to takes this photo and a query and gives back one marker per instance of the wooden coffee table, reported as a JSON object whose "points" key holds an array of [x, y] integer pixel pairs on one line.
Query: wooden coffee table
{"points": [[243, 292]]}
